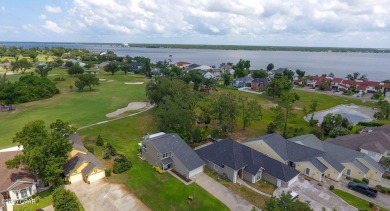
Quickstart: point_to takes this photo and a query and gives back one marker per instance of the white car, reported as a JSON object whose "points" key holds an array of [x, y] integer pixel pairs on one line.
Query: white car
{"points": [[294, 195]]}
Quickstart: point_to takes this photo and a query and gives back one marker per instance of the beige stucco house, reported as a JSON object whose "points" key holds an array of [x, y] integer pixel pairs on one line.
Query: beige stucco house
{"points": [[82, 165]]}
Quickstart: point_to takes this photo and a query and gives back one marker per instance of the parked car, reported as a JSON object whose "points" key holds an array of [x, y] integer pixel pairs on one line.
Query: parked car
{"points": [[362, 188], [294, 195]]}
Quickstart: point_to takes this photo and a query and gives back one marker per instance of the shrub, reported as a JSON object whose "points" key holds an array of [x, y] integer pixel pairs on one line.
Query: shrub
{"points": [[90, 149], [371, 204], [109, 151], [121, 164], [64, 200], [365, 180], [348, 178], [158, 169], [331, 188], [216, 133], [357, 180], [108, 172], [59, 79], [99, 141]]}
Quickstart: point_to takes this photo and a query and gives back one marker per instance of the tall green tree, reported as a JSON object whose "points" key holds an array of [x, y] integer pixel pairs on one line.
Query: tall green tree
{"points": [[75, 69], [270, 67], [285, 202], [45, 150], [300, 73], [241, 68], [289, 74], [225, 110], [86, 80], [43, 70], [278, 85], [259, 74], [112, 68], [65, 200], [226, 79], [9, 94], [286, 102], [250, 111]]}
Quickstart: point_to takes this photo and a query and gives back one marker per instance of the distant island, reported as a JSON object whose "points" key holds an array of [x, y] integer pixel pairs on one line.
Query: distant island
{"points": [[194, 46]]}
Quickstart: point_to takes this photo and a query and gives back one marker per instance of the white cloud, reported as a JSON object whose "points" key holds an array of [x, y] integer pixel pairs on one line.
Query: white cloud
{"points": [[52, 26], [42, 17], [53, 9]]}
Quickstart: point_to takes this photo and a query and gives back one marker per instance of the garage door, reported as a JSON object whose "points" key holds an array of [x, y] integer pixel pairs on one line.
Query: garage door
{"points": [[195, 171], [75, 178], [97, 176]]}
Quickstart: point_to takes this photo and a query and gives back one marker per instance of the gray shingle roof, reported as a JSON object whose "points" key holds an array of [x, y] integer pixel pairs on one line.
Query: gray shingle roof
{"points": [[377, 141], [360, 166], [237, 156], [320, 166], [173, 143], [77, 142], [338, 153]]}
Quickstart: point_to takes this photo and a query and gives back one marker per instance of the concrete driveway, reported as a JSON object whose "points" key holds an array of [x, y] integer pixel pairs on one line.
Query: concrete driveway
{"points": [[318, 196], [102, 195], [382, 199], [226, 196]]}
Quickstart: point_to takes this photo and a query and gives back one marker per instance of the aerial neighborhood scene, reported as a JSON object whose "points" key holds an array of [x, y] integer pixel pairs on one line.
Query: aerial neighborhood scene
{"points": [[195, 105]]}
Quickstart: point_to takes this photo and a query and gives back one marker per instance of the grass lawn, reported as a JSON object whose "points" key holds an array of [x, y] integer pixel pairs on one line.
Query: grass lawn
{"points": [[357, 202], [157, 191], [43, 199], [264, 186], [78, 108], [251, 196]]}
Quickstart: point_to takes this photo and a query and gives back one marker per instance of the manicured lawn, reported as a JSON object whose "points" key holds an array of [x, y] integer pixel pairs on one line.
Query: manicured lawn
{"points": [[246, 193], [157, 191], [357, 202], [78, 108], [43, 199]]}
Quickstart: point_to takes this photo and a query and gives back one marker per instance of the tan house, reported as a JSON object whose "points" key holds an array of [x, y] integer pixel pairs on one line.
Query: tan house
{"points": [[310, 162], [15, 184], [356, 164], [82, 165], [169, 151]]}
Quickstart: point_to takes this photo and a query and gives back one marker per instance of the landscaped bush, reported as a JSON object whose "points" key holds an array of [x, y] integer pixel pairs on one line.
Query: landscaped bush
{"points": [[65, 200], [348, 178], [99, 141], [357, 180], [108, 172], [371, 204], [109, 151], [121, 164], [365, 180], [331, 187], [382, 189], [158, 169]]}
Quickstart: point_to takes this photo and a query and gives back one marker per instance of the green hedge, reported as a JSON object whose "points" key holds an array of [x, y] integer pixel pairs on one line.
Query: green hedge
{"points": [[65, 200]]}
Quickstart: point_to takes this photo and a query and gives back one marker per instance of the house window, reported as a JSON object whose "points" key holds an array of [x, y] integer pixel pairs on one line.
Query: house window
{"points": [[23, 193], [307, 171], [348, 172], [165, 155], [216, 167]]}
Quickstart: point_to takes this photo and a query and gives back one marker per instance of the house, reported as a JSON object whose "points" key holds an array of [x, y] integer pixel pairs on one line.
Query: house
{"points": [[217, 73], [82, 165], [242, 82], [135, 66], [204, 67], [169, 151], [156, 71], [356, 164], [15, 184], [311, 162], [375, 144], [191, 67], [258, 83], [235, 160], [209, 75], [102, 65]]}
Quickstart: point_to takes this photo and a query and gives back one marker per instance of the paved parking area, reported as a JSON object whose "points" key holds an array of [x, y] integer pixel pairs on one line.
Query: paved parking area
{"points": [[226, 196], [102, 195], [318, 196]]}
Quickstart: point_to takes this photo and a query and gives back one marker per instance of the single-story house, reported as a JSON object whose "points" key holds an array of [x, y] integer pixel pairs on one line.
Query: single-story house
{"points": [[234, 160], [311, 162], [170, 151], [15, 184], [375, 144], [258, 83], [356, 164], [209, 75], [82, 165]]}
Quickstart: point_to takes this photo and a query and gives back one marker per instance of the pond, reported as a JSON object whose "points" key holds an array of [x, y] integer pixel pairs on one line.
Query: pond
{"points": [[353, 113]]}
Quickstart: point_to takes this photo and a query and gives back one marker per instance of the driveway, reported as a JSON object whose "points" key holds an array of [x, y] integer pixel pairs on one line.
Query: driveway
{"points": [[226, 196], [102, 195], [318, 196], [381, 199]]}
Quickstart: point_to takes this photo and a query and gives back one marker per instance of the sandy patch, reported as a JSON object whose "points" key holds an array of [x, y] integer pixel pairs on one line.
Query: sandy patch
{"points": [[134, 82], [130, 107], [102, 79]]}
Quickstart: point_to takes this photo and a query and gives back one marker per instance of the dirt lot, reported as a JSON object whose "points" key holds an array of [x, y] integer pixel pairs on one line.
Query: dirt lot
{"points": [[102, 195]]}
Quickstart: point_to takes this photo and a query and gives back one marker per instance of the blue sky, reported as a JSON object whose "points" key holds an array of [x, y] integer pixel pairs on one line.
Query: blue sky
{"points": [[338, 23]]}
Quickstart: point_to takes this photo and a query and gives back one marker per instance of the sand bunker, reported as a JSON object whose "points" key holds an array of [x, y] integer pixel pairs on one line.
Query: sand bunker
{"points": [[130, 107], [134, 82], [102, 79]]}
